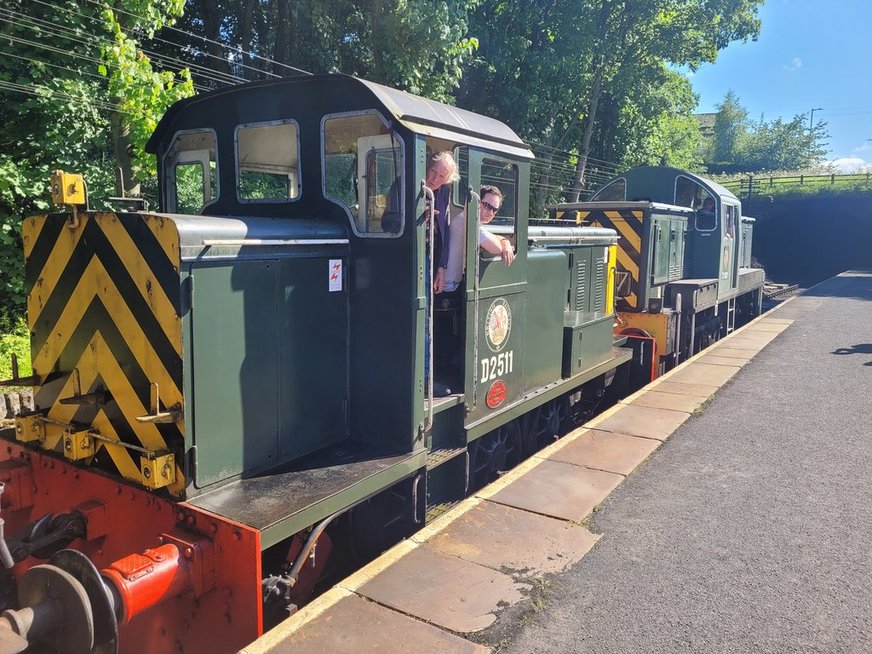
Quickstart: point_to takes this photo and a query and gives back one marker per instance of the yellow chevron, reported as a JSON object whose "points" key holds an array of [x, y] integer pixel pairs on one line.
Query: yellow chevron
{"points": [[97, 359], [140, 272], [121, 456], [629, 264], [625, 230], [580, 216], [96, 277], [167, 235], [50, 274], [31, 228]]}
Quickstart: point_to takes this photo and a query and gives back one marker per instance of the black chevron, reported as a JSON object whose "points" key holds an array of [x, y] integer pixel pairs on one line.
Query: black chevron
{"points": [[94, 243]]}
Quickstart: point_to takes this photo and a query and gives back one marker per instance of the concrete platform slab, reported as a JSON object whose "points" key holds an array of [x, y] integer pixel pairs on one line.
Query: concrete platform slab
{"points": [[644, 421], [355, 625], [603, 450], [717, 360], [732, 352], [764, 326], [697, 372], [703, 391], [460, 596], [501, 537], [663, 400], [748, 339], [560, 490]]}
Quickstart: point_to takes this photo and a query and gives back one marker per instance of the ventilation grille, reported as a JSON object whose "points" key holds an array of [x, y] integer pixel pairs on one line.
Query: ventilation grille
{"points": [[599, 284], [581, 286]]}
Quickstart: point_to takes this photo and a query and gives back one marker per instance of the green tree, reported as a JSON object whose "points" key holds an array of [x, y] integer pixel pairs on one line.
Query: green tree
{"points": [[568, 73], [743, 145], [730, 129], [58, 107], [659, 128], [415, 45]]}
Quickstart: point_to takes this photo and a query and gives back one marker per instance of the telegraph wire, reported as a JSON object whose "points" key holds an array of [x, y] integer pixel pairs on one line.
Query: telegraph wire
{"points": [[231, 48]]}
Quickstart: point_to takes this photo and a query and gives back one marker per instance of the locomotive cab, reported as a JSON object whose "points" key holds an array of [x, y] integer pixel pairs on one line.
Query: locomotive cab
{"points": [[684, 274]]}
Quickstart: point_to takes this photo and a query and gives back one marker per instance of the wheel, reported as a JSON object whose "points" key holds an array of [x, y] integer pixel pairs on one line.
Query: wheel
{"points": [[493, 454], [554, 421]]}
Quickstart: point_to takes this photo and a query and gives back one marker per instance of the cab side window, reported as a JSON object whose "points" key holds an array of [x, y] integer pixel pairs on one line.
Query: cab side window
{"points": [[267, 161], [616, 191], [362, 171], [504, 175], [190, 168], [732, 214]]}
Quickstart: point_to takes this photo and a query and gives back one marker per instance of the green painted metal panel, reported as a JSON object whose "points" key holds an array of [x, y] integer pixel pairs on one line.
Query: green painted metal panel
{"points": [[235, 368], [545, 305], [270, 360], [660, 246], [312, 354]]}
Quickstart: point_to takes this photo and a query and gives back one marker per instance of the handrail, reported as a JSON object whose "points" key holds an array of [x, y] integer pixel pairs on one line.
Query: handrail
{"points": [[431, 220], [476, 286]]}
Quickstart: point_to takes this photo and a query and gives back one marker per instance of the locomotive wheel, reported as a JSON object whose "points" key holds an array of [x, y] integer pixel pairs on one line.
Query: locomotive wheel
{"points": [[554, 421], [493, 454]]}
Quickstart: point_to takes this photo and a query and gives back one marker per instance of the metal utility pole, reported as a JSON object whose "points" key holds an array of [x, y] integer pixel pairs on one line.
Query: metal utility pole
{"points": [[811, 118]]}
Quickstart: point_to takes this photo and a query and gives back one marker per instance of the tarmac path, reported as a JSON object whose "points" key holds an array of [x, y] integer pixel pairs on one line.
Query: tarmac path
{"points": [[750, 529]]}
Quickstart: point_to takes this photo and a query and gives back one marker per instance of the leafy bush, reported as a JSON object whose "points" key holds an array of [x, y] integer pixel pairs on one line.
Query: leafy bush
{"points": [[16, 342]]}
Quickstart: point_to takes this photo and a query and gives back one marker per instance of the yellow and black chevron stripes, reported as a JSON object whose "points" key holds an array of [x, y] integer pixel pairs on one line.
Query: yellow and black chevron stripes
{"points": [[628, 225], [103, 301]]}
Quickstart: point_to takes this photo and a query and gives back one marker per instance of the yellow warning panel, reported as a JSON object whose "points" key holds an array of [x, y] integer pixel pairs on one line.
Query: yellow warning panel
{"points": [[660, 325]]}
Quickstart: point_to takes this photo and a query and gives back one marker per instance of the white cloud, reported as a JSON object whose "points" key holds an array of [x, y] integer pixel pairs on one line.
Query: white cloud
{"points": [[851, 165], [863, 148], [795, 64]]}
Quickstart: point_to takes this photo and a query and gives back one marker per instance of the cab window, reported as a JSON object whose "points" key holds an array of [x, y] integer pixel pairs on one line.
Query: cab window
{"points": [[362, 171], [191, 171], [732, 214], [690, 193], [267, 162], [504, 175], [616, 191]]}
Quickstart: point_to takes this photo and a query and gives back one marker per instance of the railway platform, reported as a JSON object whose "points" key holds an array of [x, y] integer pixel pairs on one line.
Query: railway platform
{"points": [[725, 507]]}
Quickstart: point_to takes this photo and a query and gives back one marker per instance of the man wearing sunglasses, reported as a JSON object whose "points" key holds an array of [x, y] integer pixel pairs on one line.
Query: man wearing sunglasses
{"points": [[491, 203]]}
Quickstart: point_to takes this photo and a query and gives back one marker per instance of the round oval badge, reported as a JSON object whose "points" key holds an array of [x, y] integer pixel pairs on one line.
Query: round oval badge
{"points": [[497, 393], [498, 324]]}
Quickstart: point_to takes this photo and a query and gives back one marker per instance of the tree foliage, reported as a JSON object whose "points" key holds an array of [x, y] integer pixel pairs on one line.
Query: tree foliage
{"points": [[743, 145], [416, 45], [593, 78], [74, 75]]}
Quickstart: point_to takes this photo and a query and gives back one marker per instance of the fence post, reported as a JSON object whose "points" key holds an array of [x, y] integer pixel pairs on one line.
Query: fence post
{"points": [[750, 191]]}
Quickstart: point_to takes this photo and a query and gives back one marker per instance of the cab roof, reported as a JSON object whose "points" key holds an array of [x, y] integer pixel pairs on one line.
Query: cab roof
{"points": [[417, 114]]}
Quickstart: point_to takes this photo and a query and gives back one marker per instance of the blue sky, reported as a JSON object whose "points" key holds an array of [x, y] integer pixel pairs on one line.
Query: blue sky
{"points": [[810, 54]]}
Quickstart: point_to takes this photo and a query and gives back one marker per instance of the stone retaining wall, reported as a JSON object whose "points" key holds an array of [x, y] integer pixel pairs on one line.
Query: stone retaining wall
{"points": [[13, 403]]}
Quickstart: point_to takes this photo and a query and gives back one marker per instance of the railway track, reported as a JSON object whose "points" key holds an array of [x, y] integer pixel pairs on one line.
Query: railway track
{"points": [[772, 291]]}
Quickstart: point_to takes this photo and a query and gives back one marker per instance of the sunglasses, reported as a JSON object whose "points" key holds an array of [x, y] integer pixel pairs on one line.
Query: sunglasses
{"points": [[488, 205]]}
